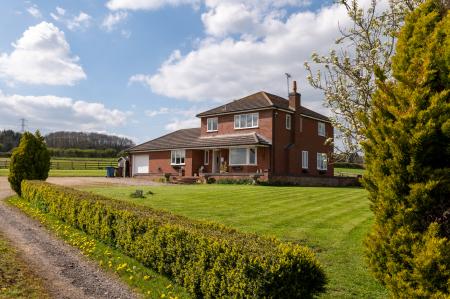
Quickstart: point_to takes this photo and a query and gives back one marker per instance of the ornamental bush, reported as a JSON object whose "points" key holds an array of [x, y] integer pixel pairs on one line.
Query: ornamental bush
{"points": [[209, 259], [29, 161], [408, 161]]}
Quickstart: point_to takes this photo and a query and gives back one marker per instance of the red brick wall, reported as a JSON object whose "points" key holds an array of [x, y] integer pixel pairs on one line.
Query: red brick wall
{"points": [[308, 139], [282, 138], [226, 125], [160, 163], [288, 144]]}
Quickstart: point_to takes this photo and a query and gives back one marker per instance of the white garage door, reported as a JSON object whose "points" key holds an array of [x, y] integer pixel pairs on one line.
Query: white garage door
{"points": [[140, 164]]}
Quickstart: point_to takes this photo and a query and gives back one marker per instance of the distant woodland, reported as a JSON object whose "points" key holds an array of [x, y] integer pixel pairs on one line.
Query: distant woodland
{"points": [[73, 144]]}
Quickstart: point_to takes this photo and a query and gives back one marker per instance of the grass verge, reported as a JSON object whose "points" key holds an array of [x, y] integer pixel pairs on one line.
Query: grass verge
{"points": [[16, 279], [141, 279], [331, 221]]}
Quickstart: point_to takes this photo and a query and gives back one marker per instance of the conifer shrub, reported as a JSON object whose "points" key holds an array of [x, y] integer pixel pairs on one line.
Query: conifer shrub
{"points": [[408, 161], [29, 161], [209, 259]]}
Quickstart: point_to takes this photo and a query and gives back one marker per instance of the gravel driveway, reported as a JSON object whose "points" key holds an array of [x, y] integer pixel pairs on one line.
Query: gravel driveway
{"points": [[66, 273]]}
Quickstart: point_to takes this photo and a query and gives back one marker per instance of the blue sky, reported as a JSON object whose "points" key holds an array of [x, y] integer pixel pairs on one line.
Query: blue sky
{"points": [[142, 68]]}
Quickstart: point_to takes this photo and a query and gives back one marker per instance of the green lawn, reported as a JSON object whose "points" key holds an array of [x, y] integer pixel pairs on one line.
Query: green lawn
{"points": [[348, 171], [68, 173], [332, 221]]}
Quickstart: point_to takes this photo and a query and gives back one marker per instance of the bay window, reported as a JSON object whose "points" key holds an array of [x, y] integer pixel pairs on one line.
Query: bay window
{"points": [[246, 121], [243, 156], [177, 157]]}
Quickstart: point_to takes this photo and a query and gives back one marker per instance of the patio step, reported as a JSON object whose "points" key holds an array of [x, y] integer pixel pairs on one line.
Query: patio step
{"points": [[185, 180]]}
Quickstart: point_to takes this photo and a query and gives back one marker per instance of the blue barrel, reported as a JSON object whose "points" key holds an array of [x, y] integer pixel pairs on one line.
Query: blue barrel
{"points": [[110, 172]]}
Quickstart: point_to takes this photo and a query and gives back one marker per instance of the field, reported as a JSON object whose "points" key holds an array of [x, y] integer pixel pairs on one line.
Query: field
{"points": [[349, 171], [73, 163], [16, 280], [69, 173], [332, 221]]}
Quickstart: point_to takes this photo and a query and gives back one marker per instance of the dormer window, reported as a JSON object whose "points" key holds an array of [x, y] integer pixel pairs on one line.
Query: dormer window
{"points": [[212, 124], [321, 128], [246, 121]]}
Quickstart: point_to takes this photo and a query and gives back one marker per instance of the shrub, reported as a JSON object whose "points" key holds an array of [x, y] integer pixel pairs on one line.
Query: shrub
{"points": [[210, 180], [209, 259], [29, 161], [408, 161], [243, 181]]}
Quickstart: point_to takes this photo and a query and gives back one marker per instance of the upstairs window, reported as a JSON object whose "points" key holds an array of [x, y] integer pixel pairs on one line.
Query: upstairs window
{"points": [[177, 157], [322, 161], [246, 121], [212, 124], [288, 121], [321, 128]]}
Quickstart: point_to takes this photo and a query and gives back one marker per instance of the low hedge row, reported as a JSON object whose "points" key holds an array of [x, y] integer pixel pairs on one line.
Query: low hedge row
{"points": [[209, 259]]}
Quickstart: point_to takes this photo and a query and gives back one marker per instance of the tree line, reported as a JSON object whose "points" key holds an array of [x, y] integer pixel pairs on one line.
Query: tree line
{"points": [[72, 143]]}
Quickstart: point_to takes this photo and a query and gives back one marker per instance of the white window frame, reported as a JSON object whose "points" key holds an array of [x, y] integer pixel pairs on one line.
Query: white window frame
{"points": [[288, 121], [254, 121], [247, 156], [321, 129], [206, 157], [214, 120], [305, 161], [322, 161], [178, 154]]}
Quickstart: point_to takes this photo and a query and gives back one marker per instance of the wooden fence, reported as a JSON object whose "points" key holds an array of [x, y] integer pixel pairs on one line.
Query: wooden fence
{"points": [[72, 164]]}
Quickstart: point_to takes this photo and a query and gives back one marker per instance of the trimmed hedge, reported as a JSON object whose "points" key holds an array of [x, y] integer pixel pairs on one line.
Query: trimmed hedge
{"points": [[210, 260]]}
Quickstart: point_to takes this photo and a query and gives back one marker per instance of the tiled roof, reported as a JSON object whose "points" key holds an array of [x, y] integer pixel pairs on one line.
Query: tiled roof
{"points": [[260, 100], [190, 138]]}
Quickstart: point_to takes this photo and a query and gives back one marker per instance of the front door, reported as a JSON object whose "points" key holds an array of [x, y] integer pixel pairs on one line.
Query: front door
{"points": [[215, 161]]}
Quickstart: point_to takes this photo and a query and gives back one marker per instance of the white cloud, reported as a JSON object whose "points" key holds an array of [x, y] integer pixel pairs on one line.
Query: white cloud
{"points": [[249, 46], [153, 113], [34, 11], [146, 4], [61, 11], [41, 56], [113, 19], [75, 22], [178, 118], [58, 113], [139, 78], [81, 21], [176, 124]]}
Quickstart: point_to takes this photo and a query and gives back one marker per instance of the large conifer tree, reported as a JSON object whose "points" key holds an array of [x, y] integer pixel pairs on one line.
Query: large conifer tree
{"points": [[408, 160], [29, 161]]}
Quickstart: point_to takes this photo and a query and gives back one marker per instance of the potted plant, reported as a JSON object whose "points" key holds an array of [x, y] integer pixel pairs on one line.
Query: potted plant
{"points": [[223, 167]]}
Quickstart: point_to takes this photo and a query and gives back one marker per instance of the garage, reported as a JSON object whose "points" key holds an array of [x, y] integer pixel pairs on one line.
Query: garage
{"points": [[140, 164]]}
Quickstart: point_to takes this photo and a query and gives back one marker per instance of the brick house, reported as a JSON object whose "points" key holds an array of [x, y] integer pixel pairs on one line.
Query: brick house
{"points": [[261, 134]]}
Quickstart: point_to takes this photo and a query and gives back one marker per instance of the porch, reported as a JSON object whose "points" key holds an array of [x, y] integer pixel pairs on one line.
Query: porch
{"points": [[235, 162]]}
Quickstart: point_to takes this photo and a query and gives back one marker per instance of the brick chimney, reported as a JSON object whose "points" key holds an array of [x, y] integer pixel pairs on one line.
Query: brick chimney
{"points": [[294, 97]]}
